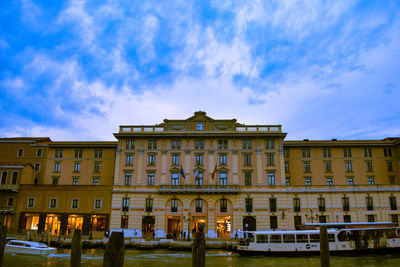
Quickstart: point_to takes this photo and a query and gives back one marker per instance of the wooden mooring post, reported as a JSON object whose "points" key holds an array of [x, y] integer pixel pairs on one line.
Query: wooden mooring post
{"points": [[3, 235], [76, 249], [115, 250], [324, 246], [199, 249]]}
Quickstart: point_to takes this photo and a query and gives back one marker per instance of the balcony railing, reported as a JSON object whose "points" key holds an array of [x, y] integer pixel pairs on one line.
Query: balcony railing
{"points": [[211, 189], [6, 209], [9, 187]]}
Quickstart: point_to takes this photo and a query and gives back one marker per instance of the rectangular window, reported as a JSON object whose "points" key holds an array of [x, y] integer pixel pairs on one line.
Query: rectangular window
{"points": [[10, 202], [347, 218], [20, 152], [59, 153], [350, 180], [75, 203], [367, 152], [249, 205], [307, 166], [75, 180], [14, 178], [3, 177], [392, 180], [199, 205], [286, 152], [77, 167], [349, 166], [306, 153], [199, 159], [175, 178], [247, 159], [347, 153], [287, 181], [393, 203], [129, 159], [222, 159], [98, 203], [31, 202], [271, 179], [370, 167], [150, 178], [78, 153], [326, 153], [273, 221], [345, 204], [321, 204], [247, 178], [175, 159], [39, 153], [247, 144], [128, 179], [296, 204], [307, 181], [174, 205], [199, 144], [297, 223], [270, 159], [55, 181], [370, 203], [272, 205], [53, 203], [222, 144], [199, 180], [270, 144], [371, 218], [151, 159], [124, 221], [371, 180], [125, 203], [387, 152], [97, 166], [329, 180], [328, 166], [287, 168], [57, 167], [130, 144], [152, 144], [395, 218], [223, 178], [223, 205], [176, 144], [95, 181], [389, 165]]}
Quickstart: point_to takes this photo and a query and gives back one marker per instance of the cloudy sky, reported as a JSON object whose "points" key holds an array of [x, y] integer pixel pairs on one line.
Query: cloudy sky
{"points": [[77, 69]]}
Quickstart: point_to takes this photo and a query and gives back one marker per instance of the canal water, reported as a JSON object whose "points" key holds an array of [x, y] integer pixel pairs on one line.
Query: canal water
{"points": [[220, 258]]}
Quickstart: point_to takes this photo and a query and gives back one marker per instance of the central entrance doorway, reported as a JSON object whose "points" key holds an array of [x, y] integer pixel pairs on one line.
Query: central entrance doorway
{"points": [[174, 226], [148, 225], [249, 223], [224, 227], [199, 222]]}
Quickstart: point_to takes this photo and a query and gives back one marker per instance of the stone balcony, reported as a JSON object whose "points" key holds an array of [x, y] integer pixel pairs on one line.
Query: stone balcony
{"points": [[9, 187], [204, 189]]}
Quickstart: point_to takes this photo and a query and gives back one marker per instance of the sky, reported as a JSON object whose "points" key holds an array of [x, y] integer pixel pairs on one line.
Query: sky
{"points": [[75, 70]]}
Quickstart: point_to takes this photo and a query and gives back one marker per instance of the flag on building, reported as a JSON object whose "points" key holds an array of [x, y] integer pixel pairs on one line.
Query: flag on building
{"points": [[196, 173], [182, 172], [215, 171]]}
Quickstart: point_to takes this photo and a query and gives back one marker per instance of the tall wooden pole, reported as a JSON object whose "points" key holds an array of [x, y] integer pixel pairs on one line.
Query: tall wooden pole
{"points": [[115, 250], [199, 249], [3, 235], [324, 246], [76, 249]]}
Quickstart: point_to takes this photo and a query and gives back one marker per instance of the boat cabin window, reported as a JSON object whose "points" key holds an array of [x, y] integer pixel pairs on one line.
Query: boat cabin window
{"points": [[302, 238], [314, 238], [262, 238], [275, 238], [250, 237], [288, 238], [331, 237]]}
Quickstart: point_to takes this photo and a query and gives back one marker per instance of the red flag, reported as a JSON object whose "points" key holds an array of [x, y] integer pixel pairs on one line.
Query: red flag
{"points": [[215, 171]]}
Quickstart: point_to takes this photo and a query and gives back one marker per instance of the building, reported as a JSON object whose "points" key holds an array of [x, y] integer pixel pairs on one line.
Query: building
{"points": [[175, 177]]}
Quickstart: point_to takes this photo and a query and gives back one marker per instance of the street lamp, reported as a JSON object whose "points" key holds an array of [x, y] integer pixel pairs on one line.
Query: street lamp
{"points": [[189, 220], [91, 226], [310, 217]]}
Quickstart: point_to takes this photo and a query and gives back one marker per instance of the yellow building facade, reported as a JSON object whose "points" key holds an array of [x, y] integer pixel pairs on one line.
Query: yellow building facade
{"points": [[175, 177]]}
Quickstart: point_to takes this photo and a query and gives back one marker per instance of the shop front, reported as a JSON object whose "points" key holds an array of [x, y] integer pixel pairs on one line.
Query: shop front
{"points": [[174, 226], [148, 226], [198, 223], [224, 227]]}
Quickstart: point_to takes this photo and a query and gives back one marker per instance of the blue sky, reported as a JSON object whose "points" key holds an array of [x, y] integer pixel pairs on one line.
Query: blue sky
{"points": [[76, 70]]}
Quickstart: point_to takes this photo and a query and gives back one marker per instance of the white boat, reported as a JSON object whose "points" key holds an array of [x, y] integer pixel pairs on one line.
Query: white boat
{"points": [[341, 241], [27, 247]]}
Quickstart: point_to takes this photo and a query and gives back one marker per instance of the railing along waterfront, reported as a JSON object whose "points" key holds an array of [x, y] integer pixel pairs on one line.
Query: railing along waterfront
{"points": [[232, 189]]}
